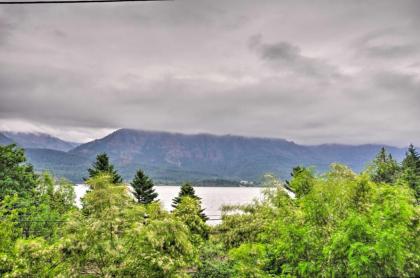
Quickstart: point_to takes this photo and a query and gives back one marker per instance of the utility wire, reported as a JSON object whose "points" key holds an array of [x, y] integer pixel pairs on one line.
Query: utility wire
{"points": [[71, 1], [64, 221]]}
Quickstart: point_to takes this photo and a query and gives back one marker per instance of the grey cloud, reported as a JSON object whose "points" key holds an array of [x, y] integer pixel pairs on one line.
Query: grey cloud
{"points": [[7, 24], [392, 51], [286, 56], [196, 66], [414, 65], [388, 43], [282, 51], [403, 90], [277, 51]]}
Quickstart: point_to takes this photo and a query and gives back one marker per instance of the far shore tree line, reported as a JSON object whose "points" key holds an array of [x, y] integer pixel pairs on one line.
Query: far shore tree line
{"points": [[337, 224]]}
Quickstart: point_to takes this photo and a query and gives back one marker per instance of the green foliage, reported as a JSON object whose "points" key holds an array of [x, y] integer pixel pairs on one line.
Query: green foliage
{"points": [[214, 262], [115, 237], [41, 213], [384, 168], [345, 226], [102, 165], [188, 190], [188, 211], [59, 194], [34, 258], [302, 181], [16, 177], [412, 159], [29, 226], [250, 260], [244, 226], [411, 170], [143, 188], [9, 232]]}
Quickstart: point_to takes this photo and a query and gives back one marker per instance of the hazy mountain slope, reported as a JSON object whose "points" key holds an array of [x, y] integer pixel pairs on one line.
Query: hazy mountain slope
{"points": [[357, 157], [61, 164], [39, 140], [4, 140], [173, 156], [202, 155]]}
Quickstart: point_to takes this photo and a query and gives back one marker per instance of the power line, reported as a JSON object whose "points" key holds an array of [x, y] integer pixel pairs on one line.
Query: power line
{"points": [[71, 1], [64, 221]]}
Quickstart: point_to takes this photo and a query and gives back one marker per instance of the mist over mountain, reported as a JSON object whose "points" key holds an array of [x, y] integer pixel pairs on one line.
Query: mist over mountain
{"points": [[175, 157], [4, 140], [39, 140]]}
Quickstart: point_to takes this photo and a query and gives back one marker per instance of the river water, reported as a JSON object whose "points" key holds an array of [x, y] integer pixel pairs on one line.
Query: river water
{"points": [[212, 198]]}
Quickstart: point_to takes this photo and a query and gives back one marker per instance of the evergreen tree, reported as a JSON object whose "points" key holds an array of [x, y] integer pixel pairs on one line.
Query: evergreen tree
{"points": [[102, 165], [412, 159], [384, 168], [188, 190], [411, 170], [189, 212], [143, 188]]}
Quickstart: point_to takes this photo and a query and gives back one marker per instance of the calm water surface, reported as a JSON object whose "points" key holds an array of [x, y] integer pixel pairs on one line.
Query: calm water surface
{"points": [[212, 198]]}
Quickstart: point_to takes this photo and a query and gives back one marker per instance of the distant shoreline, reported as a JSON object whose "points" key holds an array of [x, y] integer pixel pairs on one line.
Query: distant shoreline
{"points": [[227, 186]]}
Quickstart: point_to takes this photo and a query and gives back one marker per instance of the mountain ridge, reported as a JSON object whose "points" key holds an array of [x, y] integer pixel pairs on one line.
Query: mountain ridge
{"points": [[172, 157], [39, 140], [221, 156]]}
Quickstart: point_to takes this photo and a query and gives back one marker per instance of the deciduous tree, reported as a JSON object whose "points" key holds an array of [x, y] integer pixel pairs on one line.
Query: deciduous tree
{"points": [[16, 176]]}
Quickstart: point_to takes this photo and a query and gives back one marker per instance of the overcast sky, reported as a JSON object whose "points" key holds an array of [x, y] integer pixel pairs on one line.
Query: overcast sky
{"points": [[307, 71]]}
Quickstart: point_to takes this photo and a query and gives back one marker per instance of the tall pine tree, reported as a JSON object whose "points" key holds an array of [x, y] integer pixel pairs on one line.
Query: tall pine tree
{"points": [[384, 168], [412, 159], [102, 165], [188, 190], [411, 170], [143, 188]]}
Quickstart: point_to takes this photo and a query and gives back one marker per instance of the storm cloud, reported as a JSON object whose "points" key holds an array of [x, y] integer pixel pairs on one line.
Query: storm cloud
{"points": [[308, 71]]}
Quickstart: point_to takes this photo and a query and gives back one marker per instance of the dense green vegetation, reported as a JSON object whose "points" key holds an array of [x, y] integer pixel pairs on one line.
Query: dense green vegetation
{"points": [[339, 224], [15, 176]]}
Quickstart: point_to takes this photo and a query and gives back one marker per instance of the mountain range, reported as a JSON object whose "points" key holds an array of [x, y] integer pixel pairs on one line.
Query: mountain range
{"points": [[39, 141], [175, 157]]}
